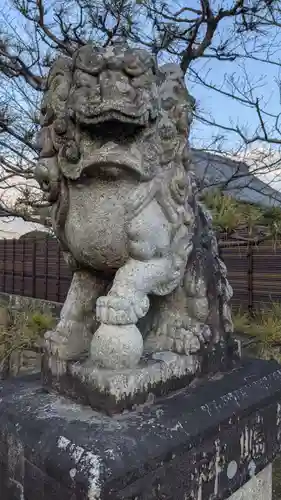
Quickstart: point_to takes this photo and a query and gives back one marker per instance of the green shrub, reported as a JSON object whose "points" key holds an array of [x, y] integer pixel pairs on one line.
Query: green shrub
{"points": [[39, 322], [24, 333], [264, 328], [230, 215], [241, 321], [225, 210]]}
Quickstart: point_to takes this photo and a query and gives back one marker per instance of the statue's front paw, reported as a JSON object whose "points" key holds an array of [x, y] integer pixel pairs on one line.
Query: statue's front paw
{"points": [[116, 310]]}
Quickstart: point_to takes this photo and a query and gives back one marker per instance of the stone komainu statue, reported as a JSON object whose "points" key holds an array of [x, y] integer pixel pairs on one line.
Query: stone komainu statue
{"points": [[115, 164]]}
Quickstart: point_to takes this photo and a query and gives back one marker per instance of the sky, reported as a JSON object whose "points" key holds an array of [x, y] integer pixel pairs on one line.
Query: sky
{"points": [[227, 111], [213, 105], [224, 110]]}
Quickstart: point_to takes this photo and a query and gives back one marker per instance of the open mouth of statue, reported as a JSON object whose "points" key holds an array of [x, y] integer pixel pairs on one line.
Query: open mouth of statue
{"points": [[113, 160], [121, 116], [121, 123]]}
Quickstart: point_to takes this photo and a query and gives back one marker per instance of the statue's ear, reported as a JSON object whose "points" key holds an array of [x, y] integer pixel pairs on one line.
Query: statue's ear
{"points": [[174, 97], [62, 67]]}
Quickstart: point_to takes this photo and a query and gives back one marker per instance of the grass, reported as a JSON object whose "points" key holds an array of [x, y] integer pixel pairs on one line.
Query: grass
{"points": [[24, 332], [230, 215], [263, 330], [263, 334]]}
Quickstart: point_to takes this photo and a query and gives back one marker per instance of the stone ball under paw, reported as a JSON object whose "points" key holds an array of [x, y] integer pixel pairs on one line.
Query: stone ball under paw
{"points": [[117, 347]]}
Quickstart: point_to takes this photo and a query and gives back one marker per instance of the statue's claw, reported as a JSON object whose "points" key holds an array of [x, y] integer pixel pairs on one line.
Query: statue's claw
{"points": [[183, 337], [116, 310]]}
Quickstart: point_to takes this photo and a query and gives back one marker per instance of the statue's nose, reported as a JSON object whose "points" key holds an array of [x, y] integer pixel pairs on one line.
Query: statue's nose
{"points": [[115, 86]]}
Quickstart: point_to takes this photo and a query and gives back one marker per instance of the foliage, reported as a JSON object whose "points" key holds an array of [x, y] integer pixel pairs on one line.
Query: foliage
{"points": [[241, 321], [230, 215], [25, 331], [271, 218], [225, 210], [263, 328], [251, 216], [34, 32]]}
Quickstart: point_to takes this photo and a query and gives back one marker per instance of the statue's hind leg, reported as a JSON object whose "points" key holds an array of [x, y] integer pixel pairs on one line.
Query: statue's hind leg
{"points": [[73, 334]]}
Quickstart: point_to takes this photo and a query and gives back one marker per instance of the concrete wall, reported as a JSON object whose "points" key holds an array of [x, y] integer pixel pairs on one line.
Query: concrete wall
{"points": [[29, 360], [19, 303], [14, 227]]}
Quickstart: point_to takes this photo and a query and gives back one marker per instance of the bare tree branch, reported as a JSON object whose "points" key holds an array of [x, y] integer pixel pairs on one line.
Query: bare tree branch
{"points": [[208, 32]]}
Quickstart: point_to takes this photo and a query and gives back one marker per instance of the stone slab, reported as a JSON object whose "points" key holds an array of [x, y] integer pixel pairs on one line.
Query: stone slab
{"points": [[21, 303], [113, 391], [204, 442], [258, 488]]}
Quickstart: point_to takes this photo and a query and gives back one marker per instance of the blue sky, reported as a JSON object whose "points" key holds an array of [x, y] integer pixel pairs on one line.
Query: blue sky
{"points": [[229, 111], [224, 110]]}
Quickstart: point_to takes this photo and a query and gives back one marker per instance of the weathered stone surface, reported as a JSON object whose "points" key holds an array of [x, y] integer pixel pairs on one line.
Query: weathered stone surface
{"points": [[5, 317], [258, 488], [198, 443], [113, 391], [12, 307], [116, 345], [19, 303], [115, 164], [74, 331]]}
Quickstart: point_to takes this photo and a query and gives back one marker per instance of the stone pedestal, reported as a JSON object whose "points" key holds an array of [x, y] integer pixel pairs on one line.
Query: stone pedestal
{"points": [[258, 488], [209, 441], [112, 391]]}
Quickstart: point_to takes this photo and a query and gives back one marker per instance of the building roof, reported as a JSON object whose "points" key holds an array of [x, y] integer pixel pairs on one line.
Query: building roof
{"points": [[234, 178]]}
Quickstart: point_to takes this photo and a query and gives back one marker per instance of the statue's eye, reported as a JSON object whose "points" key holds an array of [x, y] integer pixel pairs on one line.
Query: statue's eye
{"points": [[153, 67], [44, 104], [89, 60], [47, 115], [82, 79]]}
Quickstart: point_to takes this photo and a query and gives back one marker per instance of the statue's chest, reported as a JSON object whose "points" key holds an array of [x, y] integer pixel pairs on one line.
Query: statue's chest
{"points": [[95, 225]]}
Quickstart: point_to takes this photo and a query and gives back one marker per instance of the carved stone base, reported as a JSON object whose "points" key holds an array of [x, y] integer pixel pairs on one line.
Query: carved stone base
{"points": [[113, 391], [201, 443], [258, 488]]}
